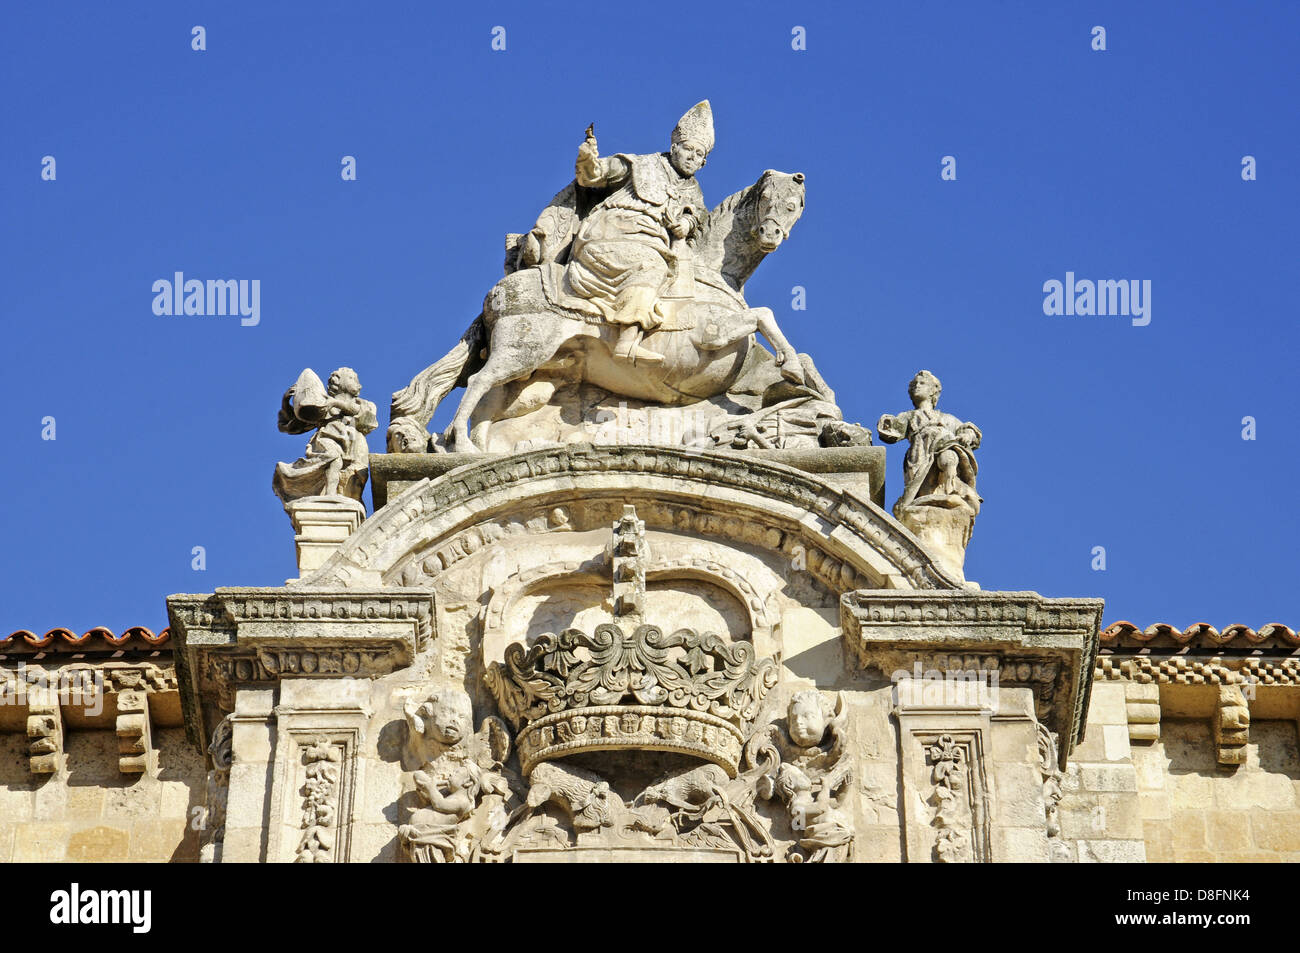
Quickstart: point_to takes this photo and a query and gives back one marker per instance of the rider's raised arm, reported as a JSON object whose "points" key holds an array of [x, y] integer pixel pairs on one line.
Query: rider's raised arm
{"points": [[593, 172]]}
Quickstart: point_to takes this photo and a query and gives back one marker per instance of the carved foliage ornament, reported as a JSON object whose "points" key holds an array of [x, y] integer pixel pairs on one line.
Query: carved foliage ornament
{"points": [[320, 792], [948, 796], [574, 670]]}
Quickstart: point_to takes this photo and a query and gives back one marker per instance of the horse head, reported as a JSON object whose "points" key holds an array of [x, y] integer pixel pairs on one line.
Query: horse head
{"points": [[780, 203]]}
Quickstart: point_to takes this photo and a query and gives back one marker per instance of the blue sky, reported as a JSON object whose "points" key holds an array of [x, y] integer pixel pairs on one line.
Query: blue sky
{"points": [[1122, 164]]}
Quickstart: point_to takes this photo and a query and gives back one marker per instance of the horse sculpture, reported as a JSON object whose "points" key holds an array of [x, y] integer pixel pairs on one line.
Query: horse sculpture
{"points": [[526, 326]]}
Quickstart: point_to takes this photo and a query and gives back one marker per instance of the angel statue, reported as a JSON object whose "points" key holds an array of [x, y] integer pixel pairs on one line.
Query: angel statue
{"points": [[336, 460]]}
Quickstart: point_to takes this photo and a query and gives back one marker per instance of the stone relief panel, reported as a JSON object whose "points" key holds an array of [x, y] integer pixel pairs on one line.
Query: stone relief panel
{"points": [[629, 744], [808, 772]]}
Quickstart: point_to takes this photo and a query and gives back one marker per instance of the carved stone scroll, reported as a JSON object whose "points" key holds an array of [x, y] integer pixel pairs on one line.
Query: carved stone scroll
{"points": [[1052, 795], [218, 792]]}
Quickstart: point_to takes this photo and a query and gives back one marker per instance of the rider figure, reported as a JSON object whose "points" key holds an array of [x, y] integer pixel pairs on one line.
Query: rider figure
{"points": [[624, 247]]}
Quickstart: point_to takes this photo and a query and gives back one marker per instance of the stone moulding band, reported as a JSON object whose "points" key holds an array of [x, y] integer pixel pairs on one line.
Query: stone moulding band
{"points": [[631, 727], [1210, 669]]}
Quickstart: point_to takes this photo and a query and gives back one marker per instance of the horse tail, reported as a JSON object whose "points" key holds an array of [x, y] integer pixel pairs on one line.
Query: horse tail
{"points": [[421, 397]]}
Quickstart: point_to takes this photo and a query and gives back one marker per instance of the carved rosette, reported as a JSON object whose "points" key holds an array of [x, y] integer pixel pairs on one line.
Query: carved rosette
{"points": [[646, 690]]}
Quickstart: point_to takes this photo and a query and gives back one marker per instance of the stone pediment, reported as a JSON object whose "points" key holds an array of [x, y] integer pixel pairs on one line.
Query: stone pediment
{"points": [[838, 534]]}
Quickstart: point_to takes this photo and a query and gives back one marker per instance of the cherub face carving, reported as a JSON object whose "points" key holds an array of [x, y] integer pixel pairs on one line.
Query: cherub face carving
{"points": [[447, 717], [806, 719]]}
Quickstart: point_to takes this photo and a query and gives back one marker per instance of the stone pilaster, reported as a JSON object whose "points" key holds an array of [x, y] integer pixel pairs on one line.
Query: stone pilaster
{"points": [[320, 728]]}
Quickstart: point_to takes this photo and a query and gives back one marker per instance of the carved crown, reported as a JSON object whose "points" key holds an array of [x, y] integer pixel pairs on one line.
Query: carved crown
{"points": [[687, 693]]}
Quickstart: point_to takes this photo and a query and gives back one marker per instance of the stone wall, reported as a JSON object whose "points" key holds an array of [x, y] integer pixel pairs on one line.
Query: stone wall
{"points": [[1168, 798], [91, 811], [1194, 809], [1124, 801], [1101, 820]]}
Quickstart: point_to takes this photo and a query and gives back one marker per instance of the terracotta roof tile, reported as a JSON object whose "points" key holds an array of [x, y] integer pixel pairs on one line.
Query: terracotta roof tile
{"points": [[98, 637], [1199, 635]]}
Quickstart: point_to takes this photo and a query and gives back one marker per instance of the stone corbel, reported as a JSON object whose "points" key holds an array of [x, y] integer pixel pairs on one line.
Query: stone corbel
{"points": [[45, 735], [246, 637], [1142, 702], [1231, 725], [135, 733], [1005, 639]]}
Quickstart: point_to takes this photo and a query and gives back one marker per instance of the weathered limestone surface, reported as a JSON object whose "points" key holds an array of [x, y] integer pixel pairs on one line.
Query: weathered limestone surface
{"points": [[1190, 751], [90, 811]]}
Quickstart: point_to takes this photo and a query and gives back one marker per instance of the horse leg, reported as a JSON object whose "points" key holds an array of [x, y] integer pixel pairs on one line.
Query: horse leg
{"points": [[520, 345], [786, 357]]}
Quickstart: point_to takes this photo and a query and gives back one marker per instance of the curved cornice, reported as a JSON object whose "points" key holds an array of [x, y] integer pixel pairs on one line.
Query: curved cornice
{"points": [[862, 544]]}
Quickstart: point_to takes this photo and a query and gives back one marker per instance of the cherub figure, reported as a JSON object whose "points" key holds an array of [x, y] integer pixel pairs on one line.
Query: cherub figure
{"points": [[457, 783], [806, 771], [337, 459], [940, 467]]}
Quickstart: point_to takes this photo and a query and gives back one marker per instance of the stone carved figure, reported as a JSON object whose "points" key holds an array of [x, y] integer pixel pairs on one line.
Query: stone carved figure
{"points": [[940, 467], [706, 808], [627, 246], [336, 460], [218, 790], [1053, 794], [583, 795], [462, 787], [805, 768], [624, 252], [939, 501]]}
